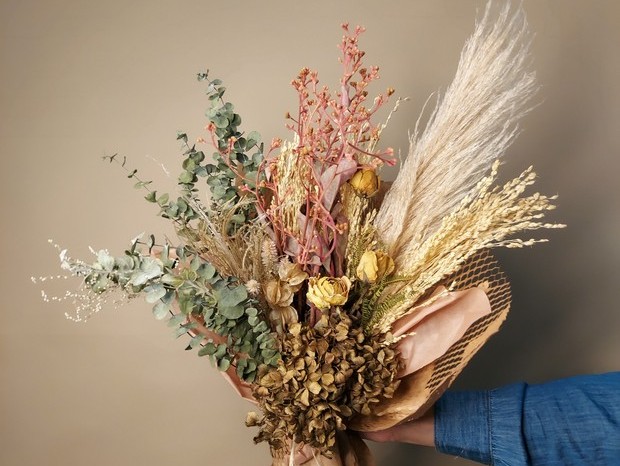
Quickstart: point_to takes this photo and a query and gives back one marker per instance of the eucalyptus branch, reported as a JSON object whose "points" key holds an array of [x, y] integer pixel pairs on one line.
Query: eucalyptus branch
{"points": [[131, 173]]}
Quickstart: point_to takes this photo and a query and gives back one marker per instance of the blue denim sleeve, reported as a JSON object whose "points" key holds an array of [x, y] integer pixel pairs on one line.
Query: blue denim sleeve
{"points": [[574, 421]]}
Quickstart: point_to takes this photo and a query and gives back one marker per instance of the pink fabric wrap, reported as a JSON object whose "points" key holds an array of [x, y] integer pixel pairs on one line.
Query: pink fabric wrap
{"points": [[428, 332], [244, 389], [432, 329]]}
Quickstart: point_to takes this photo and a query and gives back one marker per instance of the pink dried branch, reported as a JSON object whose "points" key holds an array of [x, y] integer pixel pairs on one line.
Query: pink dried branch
{"points": [[331, 131]]}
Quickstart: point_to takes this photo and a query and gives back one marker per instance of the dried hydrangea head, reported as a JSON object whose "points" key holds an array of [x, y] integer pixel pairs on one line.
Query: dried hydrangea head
{"points": [[328, 373]]}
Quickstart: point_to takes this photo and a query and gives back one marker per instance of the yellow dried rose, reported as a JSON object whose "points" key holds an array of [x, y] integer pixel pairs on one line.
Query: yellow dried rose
{"points": [[365, 182], [325, 292], [374, 265]]}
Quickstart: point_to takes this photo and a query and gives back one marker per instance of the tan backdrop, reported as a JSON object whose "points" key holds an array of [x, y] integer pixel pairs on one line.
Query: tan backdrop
{"points": [[82, 79]]}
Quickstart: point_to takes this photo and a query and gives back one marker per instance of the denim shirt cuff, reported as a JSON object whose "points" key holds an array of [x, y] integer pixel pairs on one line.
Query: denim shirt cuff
{"points": [[482, 426]]}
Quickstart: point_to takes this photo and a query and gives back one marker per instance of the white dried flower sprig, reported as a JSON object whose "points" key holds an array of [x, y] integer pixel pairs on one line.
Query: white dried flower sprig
{"points": [[85, 302]]}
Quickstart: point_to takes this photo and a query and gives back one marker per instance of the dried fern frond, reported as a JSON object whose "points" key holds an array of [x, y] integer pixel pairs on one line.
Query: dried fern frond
{"points": [[471, 127], [487, 218]]}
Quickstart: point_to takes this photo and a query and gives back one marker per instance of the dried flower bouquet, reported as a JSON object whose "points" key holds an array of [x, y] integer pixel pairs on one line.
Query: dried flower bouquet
{"points": [[328, 309]]}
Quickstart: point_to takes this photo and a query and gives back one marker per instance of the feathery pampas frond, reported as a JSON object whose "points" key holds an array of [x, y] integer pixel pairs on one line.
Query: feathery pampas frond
{"points": [[472, 126]]}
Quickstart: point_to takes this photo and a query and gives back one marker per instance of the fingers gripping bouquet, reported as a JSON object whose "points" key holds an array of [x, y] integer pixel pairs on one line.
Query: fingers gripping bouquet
{"points": [[326, 308]]}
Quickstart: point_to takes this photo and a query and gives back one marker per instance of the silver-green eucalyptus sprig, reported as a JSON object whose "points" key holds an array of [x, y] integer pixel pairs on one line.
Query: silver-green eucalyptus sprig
{"points": [[192, 296], [235, 168], [226, 324]]}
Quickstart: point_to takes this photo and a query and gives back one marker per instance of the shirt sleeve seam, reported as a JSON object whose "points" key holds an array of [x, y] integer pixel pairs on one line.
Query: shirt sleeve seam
{"points": [[489, 400]]}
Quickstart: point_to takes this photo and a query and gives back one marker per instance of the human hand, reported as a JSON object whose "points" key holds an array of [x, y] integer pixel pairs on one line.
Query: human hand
{"points": [[420, 432]]}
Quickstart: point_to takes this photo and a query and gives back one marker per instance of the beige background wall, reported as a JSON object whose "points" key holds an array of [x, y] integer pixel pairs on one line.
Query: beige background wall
{"points": [[82, 79]]}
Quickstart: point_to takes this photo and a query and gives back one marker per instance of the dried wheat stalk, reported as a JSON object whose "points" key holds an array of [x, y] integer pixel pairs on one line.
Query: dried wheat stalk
{"points": [[487, 218]]}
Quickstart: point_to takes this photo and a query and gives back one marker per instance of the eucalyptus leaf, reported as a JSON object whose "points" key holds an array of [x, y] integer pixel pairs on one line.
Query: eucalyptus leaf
{"points": [[224, 364], [253, 320], [231, 312], [195, 263], [182, 205], [172, 280], [254, 138], [189, 165], [206, 271], [220, 121], [198, 157], [179, 332], [149, 268], [176, 320], [186, 306], [163, 199], [195, 341], [221, 351], [229, 297], [160, 310], [154, 292], [105, 260], [186, 177], [207, 350]]}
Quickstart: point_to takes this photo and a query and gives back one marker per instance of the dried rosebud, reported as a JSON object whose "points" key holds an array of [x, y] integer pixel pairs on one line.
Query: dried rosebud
{"points": [[374, 265], [325, 292], [279, 296], [365, 182], [278, 293], [292, 274]]}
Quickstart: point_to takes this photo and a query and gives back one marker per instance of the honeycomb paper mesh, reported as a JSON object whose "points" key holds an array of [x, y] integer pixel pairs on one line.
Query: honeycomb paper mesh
{"points": [[418, 391]]}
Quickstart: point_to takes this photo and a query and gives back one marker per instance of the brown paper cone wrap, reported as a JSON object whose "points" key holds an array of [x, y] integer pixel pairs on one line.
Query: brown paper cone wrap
{"points": [[417, 392], [350, 450]]}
